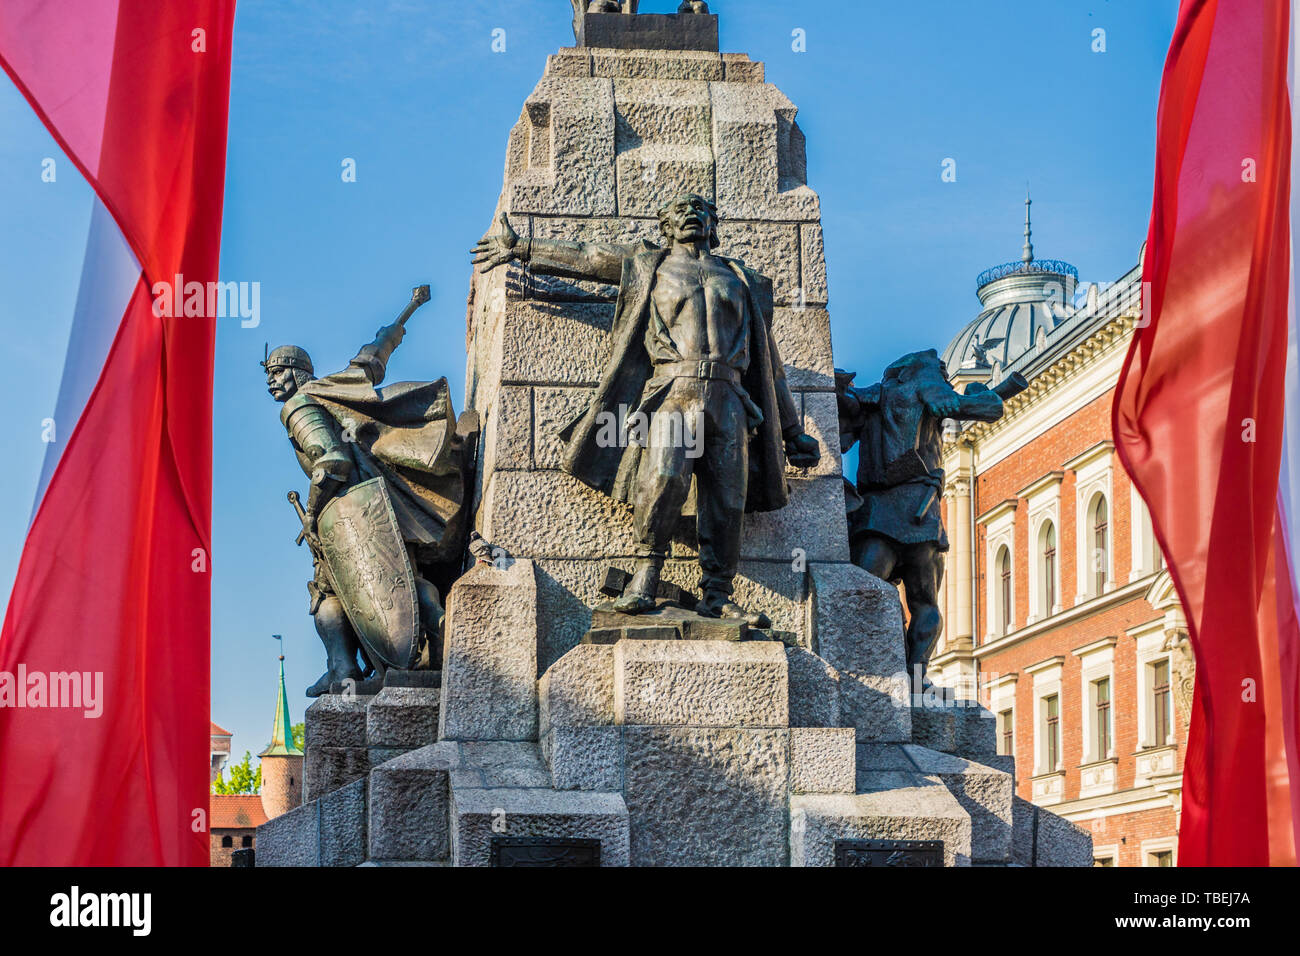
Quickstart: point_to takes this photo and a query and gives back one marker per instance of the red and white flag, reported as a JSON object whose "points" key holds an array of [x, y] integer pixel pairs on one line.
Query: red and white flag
{"points": [[1206, 418], [105, 645]]}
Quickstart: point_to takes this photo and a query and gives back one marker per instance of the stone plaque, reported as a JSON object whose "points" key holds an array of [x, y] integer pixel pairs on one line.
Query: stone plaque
{"points": [[889, 853], [544, 851]]}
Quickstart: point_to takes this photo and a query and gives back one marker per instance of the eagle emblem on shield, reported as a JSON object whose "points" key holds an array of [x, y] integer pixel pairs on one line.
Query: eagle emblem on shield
{"points": [[371, 571]]}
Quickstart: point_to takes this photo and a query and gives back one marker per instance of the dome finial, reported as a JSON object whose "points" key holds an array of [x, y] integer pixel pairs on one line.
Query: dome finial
{"points": [[1027, 254]]}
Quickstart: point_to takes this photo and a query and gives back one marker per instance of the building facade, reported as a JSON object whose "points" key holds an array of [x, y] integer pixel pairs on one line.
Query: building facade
{"points": [[1059, 611]]}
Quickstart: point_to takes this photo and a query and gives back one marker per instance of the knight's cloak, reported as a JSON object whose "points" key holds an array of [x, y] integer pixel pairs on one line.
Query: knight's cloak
{"points": [[406, 433]]}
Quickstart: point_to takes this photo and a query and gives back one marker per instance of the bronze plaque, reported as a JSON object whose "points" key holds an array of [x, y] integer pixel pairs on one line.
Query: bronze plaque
{"points": [[889, 853], [544, 851]]}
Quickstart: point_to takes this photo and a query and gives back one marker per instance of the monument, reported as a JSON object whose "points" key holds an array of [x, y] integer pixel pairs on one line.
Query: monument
{"points": [[767, 722]]}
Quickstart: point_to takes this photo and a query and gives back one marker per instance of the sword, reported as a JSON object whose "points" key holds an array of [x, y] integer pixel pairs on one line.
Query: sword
{"points": [[312, 541]]}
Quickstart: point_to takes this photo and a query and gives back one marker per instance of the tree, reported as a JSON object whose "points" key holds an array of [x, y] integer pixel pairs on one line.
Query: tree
{"points": [[299, 732], [243, 778]]}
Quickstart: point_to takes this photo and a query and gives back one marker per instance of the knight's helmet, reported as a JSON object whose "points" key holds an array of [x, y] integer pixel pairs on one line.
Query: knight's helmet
{"points": [[288, 356]]}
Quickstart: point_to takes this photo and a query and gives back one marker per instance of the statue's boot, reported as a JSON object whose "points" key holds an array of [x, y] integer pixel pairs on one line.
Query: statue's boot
{"points": [[340, 647], [719, 604], [639, 595]]}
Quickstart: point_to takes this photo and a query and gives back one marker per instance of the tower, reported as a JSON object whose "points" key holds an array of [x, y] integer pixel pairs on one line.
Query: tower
{"points": [[281, 761]]}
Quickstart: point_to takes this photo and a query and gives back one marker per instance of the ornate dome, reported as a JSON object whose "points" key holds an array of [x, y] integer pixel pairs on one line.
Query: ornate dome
{"points": [[1023, 302]]}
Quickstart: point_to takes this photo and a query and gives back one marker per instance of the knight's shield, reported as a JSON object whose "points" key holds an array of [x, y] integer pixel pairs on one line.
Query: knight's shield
{"points": [[372, 573]]}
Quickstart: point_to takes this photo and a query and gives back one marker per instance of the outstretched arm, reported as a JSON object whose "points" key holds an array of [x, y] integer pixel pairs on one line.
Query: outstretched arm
{"points": [[555, 257], [943, 401]]}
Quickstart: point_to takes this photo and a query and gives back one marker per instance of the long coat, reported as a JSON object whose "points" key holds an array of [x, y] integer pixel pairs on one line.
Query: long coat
{"points": [[612, 468]]}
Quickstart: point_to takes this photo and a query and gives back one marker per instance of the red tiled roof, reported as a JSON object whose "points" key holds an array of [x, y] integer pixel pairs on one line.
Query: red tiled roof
{"points": [[235, 811], [218, 730]]}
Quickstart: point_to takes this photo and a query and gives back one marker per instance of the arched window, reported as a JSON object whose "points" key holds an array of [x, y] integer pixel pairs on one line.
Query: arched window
{"points": [[1004, 590], [1047, 567], [246, 842], [227, 841], [1100, 543]]}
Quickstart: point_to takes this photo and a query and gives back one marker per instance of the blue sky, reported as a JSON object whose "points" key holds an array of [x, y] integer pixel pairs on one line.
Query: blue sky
{"points": [[1012, 90]]}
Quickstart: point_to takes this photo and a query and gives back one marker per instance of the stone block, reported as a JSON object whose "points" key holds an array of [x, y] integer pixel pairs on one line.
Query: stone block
{"points": [[822, 760], [325, 769], [403, 717], [552, 514], [337, 720], [489, 687], [813, 522], [553, 409], [707, 796], [934, 725], [739, 68], [508, 437], [657, 64], [330, 831], [701, 684], [812, 262], [480, 814], [752, 144], [553, 343], [857, 621], [585, 758], [770, 248], [410, 805], [1040, 838], [651, 175], [821, 420], [570, 126], [569, 62], [894, 806], [578, 689], [803, 337], [984, 792], [814, 690]]}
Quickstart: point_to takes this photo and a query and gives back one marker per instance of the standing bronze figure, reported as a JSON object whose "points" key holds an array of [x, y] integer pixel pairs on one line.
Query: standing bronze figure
{"points": [[692, 351], [895, 525], [386, 507]]}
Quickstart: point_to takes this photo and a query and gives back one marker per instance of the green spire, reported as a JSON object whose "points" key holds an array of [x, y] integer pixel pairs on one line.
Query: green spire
{"points": [[282, 733]]}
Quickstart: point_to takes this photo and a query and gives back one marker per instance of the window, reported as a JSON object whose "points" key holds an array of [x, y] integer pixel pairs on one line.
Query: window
{"points": [[227, 841], [1104, 861], [246, 842], [1006, 733], [1100, 544], [1161, 858], [1004, 594], [1052, 730], [1101, 717], [1048, 564], [1160, 703]]}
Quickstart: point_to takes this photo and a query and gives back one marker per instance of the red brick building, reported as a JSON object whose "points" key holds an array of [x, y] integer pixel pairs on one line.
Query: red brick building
{"points": [[1058, 607]]}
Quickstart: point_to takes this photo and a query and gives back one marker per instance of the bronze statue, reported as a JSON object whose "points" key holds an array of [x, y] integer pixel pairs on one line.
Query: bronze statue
{"points": [[693, 355], [387, 504], [895, 527]]}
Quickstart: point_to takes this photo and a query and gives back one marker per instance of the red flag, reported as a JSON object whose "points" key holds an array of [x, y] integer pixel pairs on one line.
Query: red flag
{"points": [[1199, 415], [113, 584]]}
